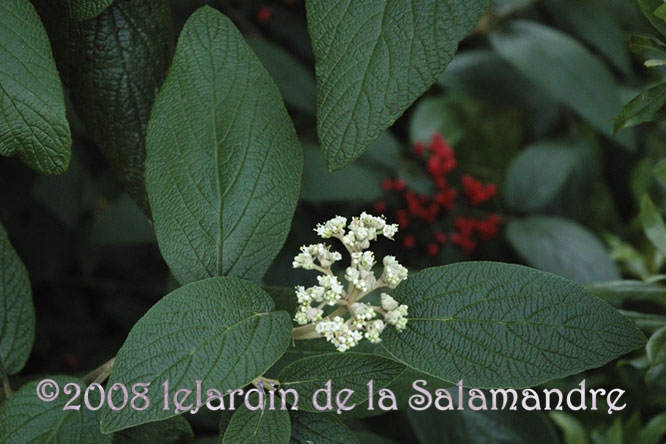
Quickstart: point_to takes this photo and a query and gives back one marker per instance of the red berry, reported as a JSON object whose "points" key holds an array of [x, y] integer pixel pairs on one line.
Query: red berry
{"points": [[433, 249], [380, 206], [418, 149], [264, 14], [440, 237], [387, 184], [399, 185], [408, 242]]}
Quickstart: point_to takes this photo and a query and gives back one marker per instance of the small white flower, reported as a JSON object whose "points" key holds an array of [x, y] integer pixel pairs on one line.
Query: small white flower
{"points": [[390, 230], [332, 228], [388, 303], [394, 273]]}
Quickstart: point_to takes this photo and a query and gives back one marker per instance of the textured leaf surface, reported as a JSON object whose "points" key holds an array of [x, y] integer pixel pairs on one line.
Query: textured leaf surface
{"points": [[648, 8], [32, 107], [501, 325], [320, 428], [17, 315], [114, 66], [467, 426], [26, 419], [349, 370], [220, 331], [374, 58], [223, 162], [87, 9], [562, 247], [259, 426], [563, 67], [174, 430]]}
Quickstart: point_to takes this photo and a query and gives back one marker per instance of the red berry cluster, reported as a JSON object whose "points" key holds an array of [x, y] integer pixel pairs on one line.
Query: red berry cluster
{"points": [[266, 12], [436, 211]]}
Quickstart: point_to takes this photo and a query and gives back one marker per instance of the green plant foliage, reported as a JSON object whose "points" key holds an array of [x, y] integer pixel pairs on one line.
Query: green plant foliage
{"points": [[258, 426], [642, 108], [539, 175], [220, 116], [17, 323], [87, 9], [33, 123], [373, 59], [350, 371], [114, 65], [322, 428], [566, 70], [476, 427], [457, 312], [223, 325], [653, 224], [562, 247], [26, 419], [174, 430]]}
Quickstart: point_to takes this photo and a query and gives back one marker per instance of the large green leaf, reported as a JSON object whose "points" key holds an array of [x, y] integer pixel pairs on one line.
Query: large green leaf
{"points": [[467, 426], [221, 331], [267, 425], [501, 325], [223, 162], [540, 173], [17, 322], [26, 419], [319, 428], [350, 371], [87, 9], [32, 107], [562, 67], [642, 108], [114, 66], [374, 58], [562, 247], [648, 8]]}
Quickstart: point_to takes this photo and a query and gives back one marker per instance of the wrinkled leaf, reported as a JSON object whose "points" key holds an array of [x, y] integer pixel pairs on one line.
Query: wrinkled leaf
{"points": [[17, 323], [32, 108], [223, 162], [374, 58], [267, 425], [319, 428], [562, 247], [26, 419], [477, 321], [350, 371], [114, 66], [87, 9], [224, 326], [656, 347]]}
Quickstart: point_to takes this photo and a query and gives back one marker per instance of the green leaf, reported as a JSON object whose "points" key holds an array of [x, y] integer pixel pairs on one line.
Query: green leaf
{"points": [[267, 425], [540, 173], [648, 47], [114, 66], [436, 115], [350, 371], [562, 247], [223, 162], [174, 430], [653, 224], [500, 325], [648, 8], [295, 82], [221, 331], [17, 323], [615, 292], [468, 426], [87, 9], [319, 428], [32, 107], [572, 429], [654, 431], [26, 419], [562, 67], [642, 108], [374, 58], [656, 347], [122, 223]]}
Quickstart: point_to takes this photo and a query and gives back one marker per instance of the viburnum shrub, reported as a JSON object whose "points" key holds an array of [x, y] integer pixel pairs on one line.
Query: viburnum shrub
{"points": [[203, 143], [429, 222]]}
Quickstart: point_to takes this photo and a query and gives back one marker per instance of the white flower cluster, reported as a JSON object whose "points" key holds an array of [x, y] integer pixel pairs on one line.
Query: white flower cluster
{"points": [[363, 320]]}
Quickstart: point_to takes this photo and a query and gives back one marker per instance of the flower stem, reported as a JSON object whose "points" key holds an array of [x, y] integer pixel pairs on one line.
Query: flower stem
{"points": [[100, 374]]}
